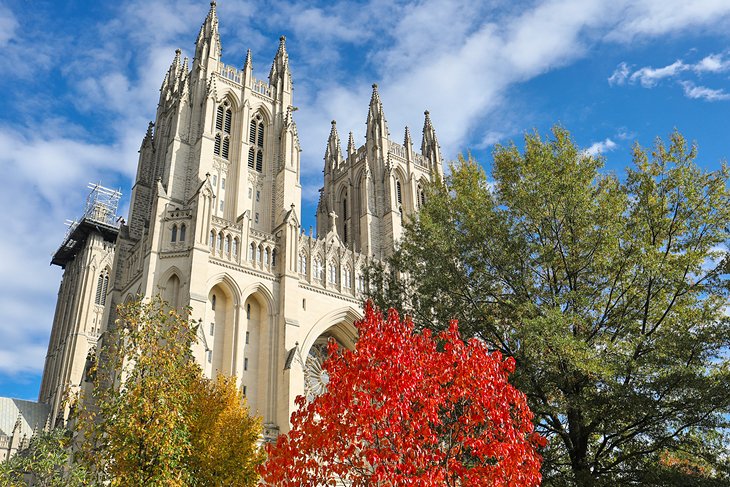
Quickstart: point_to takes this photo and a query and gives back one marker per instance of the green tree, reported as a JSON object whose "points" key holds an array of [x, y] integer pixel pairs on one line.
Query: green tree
{"points": [[609, 293], [46, 461], [144, 424]]}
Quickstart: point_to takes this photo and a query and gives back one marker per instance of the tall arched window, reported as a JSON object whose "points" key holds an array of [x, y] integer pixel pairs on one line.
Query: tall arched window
{"points": [[252, 252], [223, 122], [182, 232], [347, 279], [173, 238], [256, 143], [303, 264], [102, 284], [235, 247], [421, 196], [398, 193], [318, 269], [333, 273], [212, 239]]}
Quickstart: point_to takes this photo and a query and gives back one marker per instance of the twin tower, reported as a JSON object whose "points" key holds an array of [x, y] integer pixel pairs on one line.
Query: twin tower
{"points": [[214, 224]]}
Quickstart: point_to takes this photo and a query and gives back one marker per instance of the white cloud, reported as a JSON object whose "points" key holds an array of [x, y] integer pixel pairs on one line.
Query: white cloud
{"points": [[649, 18], [702, 92], [8, 25], [620, 75], [601, 147], [714, 63], [648, 76]]}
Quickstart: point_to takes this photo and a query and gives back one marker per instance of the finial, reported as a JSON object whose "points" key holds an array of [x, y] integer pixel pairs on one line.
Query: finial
{"points": [[178, 52], [292, 206], [207, 175], [282, 39], [334, 122], [212, 3], [427, 121], [375, 86]]}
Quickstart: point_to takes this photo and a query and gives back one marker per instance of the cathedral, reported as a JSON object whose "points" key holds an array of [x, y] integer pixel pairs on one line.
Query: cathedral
{"points": [[214, 224]]}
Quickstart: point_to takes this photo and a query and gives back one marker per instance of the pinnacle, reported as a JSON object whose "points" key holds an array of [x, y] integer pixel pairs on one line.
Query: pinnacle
{"points": [[375, 97], [282, 44], [427, 121]]}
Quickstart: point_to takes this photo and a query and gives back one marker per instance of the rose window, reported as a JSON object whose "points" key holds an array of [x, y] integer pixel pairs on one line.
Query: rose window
{"points": [[315, 377]]}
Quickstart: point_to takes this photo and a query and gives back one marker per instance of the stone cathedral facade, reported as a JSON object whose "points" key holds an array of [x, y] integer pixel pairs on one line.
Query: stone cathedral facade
{"points": [[214, 224]]}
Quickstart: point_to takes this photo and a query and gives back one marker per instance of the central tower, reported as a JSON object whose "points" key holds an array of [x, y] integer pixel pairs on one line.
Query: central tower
{"points": [[214, 224]]}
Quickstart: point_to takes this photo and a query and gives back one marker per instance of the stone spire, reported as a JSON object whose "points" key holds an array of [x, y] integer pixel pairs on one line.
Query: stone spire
{"points": [[333, 153], [18, 425], [148, 137], [430, 145], [208, 44], [280, 68], [174, 75], [248, 68], [407, 142], [351, 145], [248, 62], [377, 127], [172, 72]]}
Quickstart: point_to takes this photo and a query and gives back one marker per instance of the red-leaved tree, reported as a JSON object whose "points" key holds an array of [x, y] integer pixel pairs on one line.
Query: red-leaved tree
{"points": [[408, 408]]}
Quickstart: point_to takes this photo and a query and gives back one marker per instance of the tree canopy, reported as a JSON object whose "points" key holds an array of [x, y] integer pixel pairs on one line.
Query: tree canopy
{"points": [[609, 292], [46, 462], [153, 418], [407, 408]]}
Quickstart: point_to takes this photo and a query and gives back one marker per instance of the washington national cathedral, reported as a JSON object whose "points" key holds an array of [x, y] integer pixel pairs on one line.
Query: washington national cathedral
{"points": [[214, 224]]}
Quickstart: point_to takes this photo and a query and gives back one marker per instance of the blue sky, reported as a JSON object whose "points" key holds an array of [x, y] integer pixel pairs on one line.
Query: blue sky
{"points": [[80, 82]]}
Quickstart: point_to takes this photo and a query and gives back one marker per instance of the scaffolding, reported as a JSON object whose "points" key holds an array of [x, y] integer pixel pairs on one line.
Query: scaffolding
{"points": [[102, 204], [101, 207]]}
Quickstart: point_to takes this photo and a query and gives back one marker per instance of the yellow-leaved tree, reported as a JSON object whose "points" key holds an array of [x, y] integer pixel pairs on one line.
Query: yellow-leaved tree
{"points": [[223, 435], [153, 418]]}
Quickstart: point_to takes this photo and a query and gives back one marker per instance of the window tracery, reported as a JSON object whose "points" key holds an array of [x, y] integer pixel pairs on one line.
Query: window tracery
{"points": [[256, 143], [223, 123]]}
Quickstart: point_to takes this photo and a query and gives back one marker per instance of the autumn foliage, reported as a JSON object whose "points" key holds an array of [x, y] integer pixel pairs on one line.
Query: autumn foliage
{"points": [[154, 419], [408, 408]]}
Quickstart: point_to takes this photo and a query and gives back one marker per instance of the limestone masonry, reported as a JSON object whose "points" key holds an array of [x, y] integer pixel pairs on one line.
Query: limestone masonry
{"points": [[214, 224]]}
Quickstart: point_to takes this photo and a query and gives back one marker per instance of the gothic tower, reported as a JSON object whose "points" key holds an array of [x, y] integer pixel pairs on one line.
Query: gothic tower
{"points": [[214, 223], [86, 256], [368, 194]]}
